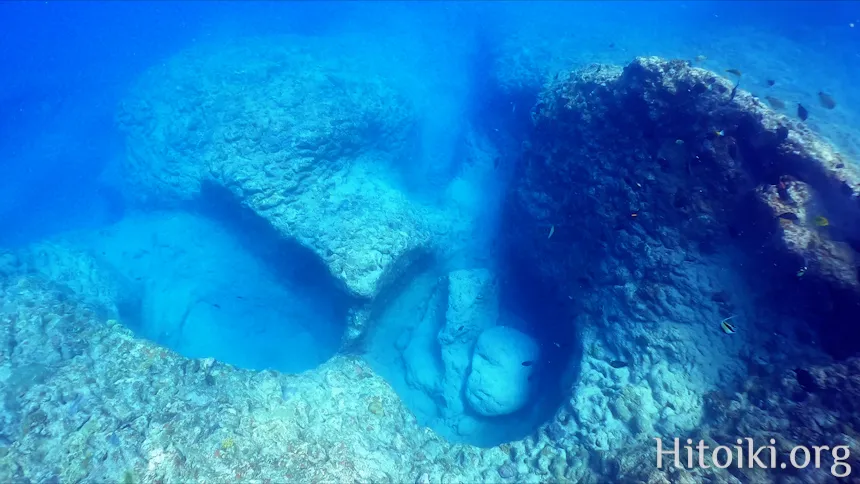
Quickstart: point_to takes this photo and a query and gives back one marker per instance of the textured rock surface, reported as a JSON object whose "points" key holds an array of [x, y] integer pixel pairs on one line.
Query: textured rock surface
{"points": [[83, 400], [472, 306], [498, 382], [297, 131], [76, 272], [637, 170], [638, 201]]}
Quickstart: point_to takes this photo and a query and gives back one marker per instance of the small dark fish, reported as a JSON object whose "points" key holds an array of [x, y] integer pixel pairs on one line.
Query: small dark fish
{"points": [[138, 278], [734, 72], [612, 45], [770, 82], [528, 363], [239, 297], [802, 113], [460, 328], [618, 364], [735, 90], [774, 102], [217, 306], [788, 216], [826, 100]]}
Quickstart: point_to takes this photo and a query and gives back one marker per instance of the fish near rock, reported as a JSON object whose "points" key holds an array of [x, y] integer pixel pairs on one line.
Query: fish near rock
{"points": [[826, 100], [802, 113]]}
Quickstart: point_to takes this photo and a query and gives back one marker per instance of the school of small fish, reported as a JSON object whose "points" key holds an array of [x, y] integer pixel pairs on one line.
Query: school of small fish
{"points": [[826, 100]]}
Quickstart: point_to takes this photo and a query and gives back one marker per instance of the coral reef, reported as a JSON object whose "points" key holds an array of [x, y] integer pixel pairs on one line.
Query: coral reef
{"points": [[648, 200]]}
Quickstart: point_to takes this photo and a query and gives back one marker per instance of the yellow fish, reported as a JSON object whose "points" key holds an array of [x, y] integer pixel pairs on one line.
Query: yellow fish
{"points": [[728, 327], [821, 221], [551, 231]]}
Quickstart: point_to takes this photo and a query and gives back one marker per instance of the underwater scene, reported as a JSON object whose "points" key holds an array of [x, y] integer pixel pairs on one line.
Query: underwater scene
{"points": [[429, 242]]}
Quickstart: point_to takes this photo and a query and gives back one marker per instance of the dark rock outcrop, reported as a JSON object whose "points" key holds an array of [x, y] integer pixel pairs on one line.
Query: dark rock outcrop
{"points": [[630, 172]]}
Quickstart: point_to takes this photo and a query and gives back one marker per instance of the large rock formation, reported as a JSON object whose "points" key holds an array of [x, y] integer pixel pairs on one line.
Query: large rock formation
{"points": [[632, 172], [500, 375], [296, 130]]}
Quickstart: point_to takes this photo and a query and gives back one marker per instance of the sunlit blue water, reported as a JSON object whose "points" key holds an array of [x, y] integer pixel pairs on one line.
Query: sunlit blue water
{"points": [[66, 65]]}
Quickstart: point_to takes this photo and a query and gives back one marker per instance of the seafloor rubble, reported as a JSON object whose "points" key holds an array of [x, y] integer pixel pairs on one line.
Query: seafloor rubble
{"points": [[632, 183]]}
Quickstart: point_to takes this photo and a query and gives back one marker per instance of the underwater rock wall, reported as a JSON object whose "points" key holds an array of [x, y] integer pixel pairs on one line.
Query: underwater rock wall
{"points": [[296, 130], [632, 173], [638, 202]]}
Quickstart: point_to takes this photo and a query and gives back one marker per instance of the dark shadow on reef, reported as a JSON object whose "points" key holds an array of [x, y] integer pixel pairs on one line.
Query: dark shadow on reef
{"points": [[524, 295], [674, 155], [292, 263]]}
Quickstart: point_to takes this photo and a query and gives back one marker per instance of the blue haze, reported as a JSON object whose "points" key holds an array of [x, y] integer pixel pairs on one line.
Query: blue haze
{"points": [[67, 64]]}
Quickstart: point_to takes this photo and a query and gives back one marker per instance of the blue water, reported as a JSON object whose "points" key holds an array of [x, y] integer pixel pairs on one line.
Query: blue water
{"points": [[66, 65], [87, 86]]}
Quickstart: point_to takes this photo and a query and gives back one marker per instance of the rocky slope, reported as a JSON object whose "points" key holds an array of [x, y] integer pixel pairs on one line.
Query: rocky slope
{"points": [[297, 131], [632, 173]]}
